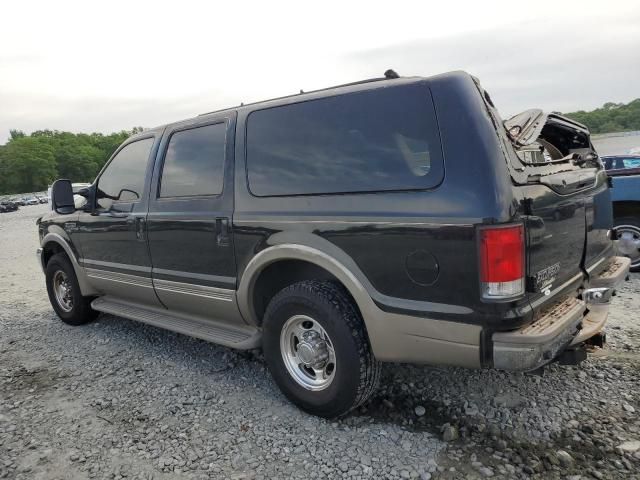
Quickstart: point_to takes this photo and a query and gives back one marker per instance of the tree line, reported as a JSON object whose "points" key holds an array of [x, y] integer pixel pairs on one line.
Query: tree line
{"points": [[611, 117], [30, 163]]}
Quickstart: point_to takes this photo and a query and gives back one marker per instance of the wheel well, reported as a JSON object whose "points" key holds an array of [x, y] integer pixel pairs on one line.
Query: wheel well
{"points": [[626, 209], [50, 249], [283, 273]]}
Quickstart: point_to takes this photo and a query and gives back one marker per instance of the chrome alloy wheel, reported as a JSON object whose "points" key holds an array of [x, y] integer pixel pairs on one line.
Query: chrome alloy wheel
{"points": [[308, 352], [628, 243], [62, 291]]}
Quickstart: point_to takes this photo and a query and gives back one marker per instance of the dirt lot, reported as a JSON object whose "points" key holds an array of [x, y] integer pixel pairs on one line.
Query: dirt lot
{"points": [[118, 399]]}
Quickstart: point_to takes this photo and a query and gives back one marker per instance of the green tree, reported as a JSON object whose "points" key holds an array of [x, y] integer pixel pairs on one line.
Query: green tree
{"points": [[13, 134], [611, 117], [78, 162], [31, 162], [28, 165]]}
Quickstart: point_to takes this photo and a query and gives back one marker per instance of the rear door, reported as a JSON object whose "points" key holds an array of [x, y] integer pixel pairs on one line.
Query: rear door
{"points": [[556, 230], [189, 221], [566, 194]]}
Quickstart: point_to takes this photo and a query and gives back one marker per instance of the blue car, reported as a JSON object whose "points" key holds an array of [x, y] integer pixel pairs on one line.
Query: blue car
{"points": [[624, 171]]}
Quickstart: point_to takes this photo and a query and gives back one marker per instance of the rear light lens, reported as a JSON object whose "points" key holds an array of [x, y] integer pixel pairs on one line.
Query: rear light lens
{"points": [[502, 261]]}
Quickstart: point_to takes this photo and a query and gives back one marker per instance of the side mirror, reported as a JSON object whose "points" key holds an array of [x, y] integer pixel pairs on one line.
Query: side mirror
{"points": [[62, 197]]}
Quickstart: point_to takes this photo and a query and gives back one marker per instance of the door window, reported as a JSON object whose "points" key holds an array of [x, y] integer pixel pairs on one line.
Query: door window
{"points": [[193, 164], [123, 179]]}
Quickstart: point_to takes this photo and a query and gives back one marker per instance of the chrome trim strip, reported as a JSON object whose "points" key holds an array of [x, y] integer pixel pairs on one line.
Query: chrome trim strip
{"points": [[122, 266], [193, 276], [354, 222], [119, 277], [214, 293]]}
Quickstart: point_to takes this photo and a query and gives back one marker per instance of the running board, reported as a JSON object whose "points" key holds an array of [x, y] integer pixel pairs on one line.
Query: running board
{"points": [[241, 337]]}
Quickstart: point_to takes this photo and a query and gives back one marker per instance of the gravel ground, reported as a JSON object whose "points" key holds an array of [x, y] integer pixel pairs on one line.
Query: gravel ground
{"points": [[118, 399]]}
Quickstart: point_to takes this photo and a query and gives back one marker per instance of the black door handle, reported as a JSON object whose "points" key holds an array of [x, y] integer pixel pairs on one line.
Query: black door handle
{"points": [[222, 231]]}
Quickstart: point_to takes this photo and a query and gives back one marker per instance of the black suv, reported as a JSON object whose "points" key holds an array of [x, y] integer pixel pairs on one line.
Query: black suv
{"points": [[390, 220]]}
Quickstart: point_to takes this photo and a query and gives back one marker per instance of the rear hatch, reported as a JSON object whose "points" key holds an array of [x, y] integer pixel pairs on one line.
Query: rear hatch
{"points": [[565, 197]]}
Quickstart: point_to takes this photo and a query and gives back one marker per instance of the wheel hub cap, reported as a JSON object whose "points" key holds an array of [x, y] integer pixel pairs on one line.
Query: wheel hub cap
{"points": [[62, 290], [628, 243], [307, 352], [312, 350]]}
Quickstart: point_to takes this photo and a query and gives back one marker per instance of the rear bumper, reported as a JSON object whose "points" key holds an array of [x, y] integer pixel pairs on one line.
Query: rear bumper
{"points": [[570, 322]]}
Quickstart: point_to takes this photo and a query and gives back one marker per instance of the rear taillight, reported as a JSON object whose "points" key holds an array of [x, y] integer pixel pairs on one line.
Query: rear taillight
{"points": [[502, 261]]}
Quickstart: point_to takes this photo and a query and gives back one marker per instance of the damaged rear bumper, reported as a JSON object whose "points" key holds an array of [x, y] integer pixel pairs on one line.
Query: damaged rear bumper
{"points": [[568, 323]]}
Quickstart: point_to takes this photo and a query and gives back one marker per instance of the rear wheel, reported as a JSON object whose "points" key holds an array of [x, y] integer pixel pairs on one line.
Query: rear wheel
{"points": [[64, 292], [317, 348], [628, 243]]}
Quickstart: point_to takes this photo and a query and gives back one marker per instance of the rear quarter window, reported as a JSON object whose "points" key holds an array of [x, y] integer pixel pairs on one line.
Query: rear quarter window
{"points": [[378, 140]]}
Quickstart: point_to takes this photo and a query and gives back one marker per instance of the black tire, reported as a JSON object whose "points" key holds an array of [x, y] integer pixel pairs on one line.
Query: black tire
{"points": [[357, 372], [632, 226], [80, 311]]}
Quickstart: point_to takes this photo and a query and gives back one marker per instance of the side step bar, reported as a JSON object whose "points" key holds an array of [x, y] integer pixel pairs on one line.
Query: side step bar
{"points": [[236, 336]]}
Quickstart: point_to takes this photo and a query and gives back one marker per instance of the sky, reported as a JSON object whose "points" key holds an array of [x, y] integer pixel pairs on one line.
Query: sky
{"points": [[107, 66]]}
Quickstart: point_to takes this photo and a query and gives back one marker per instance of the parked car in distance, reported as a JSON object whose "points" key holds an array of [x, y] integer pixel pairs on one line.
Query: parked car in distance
{"points": [[18, 201], [30, 200], [624, 171], [8, 206], [43, 199], [322, 228]]}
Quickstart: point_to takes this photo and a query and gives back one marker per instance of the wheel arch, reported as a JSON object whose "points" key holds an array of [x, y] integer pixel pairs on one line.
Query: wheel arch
{"points": [[297, 261], [53, 243]]}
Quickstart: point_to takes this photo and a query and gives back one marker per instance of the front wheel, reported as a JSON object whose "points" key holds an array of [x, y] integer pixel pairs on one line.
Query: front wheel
{"points": [[628, 243], [317, 349], [64, 292]]}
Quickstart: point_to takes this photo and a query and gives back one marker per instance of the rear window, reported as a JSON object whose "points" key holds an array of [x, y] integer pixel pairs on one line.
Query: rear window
{"points": [[379, 140]]}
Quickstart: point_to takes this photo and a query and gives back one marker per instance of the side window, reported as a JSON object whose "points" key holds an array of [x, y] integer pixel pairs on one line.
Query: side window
{"points": [[123, 179], [631, 162], [194, 162], [380, 140]]}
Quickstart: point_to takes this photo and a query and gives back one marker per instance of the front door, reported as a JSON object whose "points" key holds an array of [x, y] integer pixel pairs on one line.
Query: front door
{"points": [[189, 221], [112, 234]]}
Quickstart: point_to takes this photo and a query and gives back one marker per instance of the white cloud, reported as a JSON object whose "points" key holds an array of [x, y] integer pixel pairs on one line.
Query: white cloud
{"points": [[106, 66]]}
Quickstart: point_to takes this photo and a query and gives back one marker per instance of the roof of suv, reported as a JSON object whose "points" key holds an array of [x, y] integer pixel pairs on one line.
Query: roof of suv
{"points": [[363, 85], [369, 84]]}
